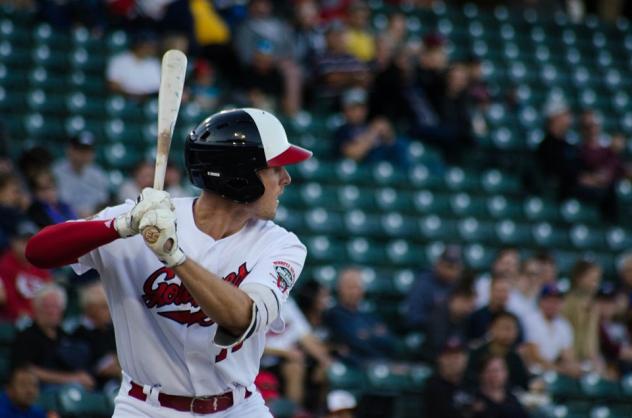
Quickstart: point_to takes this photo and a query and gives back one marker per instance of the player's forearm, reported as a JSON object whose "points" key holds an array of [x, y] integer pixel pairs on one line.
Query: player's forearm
{"points": [[61, 244], [225, 304]]}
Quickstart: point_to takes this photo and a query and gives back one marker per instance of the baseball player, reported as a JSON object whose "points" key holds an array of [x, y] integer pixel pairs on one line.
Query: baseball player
{"points": [[191, 309]]}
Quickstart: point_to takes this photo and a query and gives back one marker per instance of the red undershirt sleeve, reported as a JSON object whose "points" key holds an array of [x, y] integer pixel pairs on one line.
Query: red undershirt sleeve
{"points": [[62, 244]]}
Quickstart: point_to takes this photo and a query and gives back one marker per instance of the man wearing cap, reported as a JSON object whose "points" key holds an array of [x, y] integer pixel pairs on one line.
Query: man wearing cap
{"points": [[432, 287], [82, 184], [340, 404], [549, 336], [444, 395], [362, 140], [19, 279]]}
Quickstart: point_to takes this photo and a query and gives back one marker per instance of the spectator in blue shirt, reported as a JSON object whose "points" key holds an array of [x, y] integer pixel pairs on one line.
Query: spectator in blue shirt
{"points": [[361, 336], [361, 139], [432, 288], [20, 395]]}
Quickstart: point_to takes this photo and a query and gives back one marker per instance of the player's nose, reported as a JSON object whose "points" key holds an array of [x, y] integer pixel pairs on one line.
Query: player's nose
{"points": [[285, 177]]}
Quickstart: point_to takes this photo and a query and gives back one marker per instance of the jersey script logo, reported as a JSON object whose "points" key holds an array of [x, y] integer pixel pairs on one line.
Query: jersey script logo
{"points": [[163, 289]]}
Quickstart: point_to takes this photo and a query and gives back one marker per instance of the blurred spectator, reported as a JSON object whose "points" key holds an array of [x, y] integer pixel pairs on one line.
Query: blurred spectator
{"points": [[433, 62], [523, 297], [581, 312], [173, 181], [82, 184], [260, 26], [142, 176], [54, 355], [204, 89], [396, 31], [332, 10], [549, 336], [548, 266], [21, 393], [503, 335], [19, 279], [444, 393], [618, 146], [13, 203], [614, 339], [449, 321], [309, 34], [286, 349], [477, 88], [340, 404], [558, 159], [362, 140], [359, 38], [136, 72], [97, 333], [624, 270], [506, 264], [314, 299], [494, 397], [601, 168], [336, 69], [47, 208], [362, 335], [481, 319], [261, 79], [35, 160], [432, 288], [268, 385]]}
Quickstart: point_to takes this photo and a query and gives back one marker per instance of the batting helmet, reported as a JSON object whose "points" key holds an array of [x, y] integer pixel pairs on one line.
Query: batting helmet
{"points": [[225, 151]]}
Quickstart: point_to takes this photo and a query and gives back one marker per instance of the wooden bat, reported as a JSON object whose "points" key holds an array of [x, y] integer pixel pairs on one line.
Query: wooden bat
{"points": [[172, 74]]}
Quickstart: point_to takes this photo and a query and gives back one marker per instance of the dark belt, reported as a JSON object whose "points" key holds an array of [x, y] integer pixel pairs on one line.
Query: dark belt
{"points": [[197, 405]]}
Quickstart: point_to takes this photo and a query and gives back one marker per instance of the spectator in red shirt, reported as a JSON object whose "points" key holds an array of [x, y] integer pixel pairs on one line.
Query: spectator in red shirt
{"points": [[20, 280]]}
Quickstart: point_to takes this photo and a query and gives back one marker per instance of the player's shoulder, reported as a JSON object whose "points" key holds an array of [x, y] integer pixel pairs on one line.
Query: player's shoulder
{"points": [[274, 233]]}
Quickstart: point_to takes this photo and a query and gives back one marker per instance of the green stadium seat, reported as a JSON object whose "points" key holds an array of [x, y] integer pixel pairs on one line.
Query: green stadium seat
{"points": [[500, 207], [315, 170], [434, 227], [357, 222], [427, 202], [595, 387], [326, 275], [548, 236], [538, 209], [404, 280], [396, 225], [584, 237], [37, 125], [463, 204], [12, 56], [282, 408], [478, 257], [560, 386], [494, 181], [290, 219], [404, 253], [117, 41], [574, 211], [384, 173], [118, 131], [325, 249], [458, 180], [73, 401], [388, 198], [618, 239], [420, 176], [471, 230], [322, 221], [386, 378], [341, 376], [349, 172], [127, 110], [39, 101], [512, 233], [362, 251], [352, 197], [48, 400], [44, 56], [11, 79]]}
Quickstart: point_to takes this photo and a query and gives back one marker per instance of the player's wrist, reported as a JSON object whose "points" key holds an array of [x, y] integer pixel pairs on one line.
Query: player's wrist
{"points": [[175, 259]]}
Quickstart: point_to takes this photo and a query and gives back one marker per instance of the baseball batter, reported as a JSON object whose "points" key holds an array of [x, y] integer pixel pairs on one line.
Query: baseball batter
{"points": [[191, 308]]}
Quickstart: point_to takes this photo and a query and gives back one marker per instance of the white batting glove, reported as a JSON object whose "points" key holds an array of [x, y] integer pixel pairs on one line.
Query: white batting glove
{"points": [[127, 224], [163, 241]]}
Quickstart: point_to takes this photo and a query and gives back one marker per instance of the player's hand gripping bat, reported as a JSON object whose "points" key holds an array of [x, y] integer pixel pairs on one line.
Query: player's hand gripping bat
{"points": [[172, 74]]}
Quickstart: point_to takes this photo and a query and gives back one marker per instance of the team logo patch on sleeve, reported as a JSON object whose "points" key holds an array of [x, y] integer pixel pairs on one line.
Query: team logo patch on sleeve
{"points": [[284, 275]]}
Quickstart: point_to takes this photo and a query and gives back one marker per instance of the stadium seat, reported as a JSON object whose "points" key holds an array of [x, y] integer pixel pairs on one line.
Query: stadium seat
{"points": [[358, 222], [433, 227], [388, 198], [341, 376], [387, 378], [349, 172], [396, 225], [478, 257], [500, 207], [561, 387], [596, 388], [353, 197], [314, 194], [584, 237], [538, 209], [427, 202], [404, 281], [471, 230], [323, 221], [324, 249], [463, 204], [290, 219], [574, 211], [386, 174], [361, 250], [75, 402], [549, 236], [512, 233], [404, 253]]}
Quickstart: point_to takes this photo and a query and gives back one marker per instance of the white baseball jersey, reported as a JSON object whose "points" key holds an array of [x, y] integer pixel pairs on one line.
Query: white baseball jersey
{"points": [[162, 336]]}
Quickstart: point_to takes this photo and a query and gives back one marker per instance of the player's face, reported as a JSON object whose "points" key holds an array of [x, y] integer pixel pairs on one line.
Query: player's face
{"points": [[274, 180]]}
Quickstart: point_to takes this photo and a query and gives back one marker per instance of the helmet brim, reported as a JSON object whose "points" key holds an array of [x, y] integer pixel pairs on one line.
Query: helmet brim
{"points": [[292, 155]]}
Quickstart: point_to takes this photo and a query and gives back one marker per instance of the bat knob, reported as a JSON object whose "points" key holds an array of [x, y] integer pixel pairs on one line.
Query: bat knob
{"points": [[151, 234]]}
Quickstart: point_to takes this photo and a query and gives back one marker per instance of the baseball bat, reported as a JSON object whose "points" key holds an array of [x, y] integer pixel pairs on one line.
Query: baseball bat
{"points": [[172, 74]]}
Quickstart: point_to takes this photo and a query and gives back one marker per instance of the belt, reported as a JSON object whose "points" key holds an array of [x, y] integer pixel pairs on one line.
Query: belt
{"points": [[197, 404]]}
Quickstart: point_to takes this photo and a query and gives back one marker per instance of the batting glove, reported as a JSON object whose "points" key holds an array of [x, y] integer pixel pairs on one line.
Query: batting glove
{"points": [[127, 224], [162, 237]]}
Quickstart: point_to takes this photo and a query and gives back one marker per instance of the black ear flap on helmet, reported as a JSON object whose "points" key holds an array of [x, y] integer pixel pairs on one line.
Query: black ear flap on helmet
{"points": [[225, 151]]}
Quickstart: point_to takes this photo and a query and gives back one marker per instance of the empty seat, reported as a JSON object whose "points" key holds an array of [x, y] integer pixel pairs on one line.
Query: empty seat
{"points": [[358, 222], [404, 253], [388, 198], [575, 211], [361, 250], [322, 221]]}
